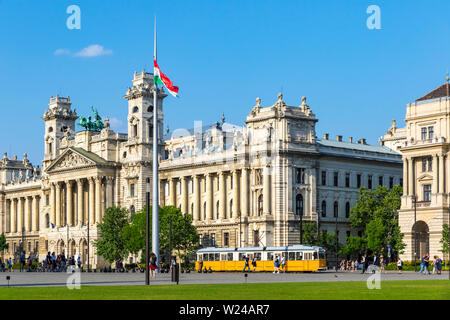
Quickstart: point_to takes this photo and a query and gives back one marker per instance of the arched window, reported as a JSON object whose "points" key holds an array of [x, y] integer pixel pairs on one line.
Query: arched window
{"points": [[347, 209], [135, 109], [260, 205], [324, 208], [336, 209], [150, 109], [299, 205], [50, 129]]}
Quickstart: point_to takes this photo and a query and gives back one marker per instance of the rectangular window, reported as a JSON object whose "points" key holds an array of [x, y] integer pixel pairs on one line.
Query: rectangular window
{"points": [[369, 182], [380, 180], [430, 164], [213, 239], [347, 180], [391, 182], [427, 164], [430, 132], [132, 190], [226, 239], [427, 192], [300, 176], [424, 133], [336, 179], [358, 180], [324, 178], [47, 200]]}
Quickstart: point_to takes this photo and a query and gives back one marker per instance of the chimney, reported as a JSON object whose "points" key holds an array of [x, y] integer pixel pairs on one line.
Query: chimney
{"points": [[325, 136], [350, 139], [339, 138], [362, 141]]}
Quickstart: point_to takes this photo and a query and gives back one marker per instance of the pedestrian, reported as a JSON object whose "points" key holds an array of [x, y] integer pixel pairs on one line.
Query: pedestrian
{"points": [[363, 263], [200, 265], [22, 261], [79, 262], [356, 265], [423, 267], [276, 264], [427, 263], [153, 265], [399, 265], [283, 263], [382, 265], [9, 265], [434, 264], [246, 265], [254, 263], [439, 265], [375, 259], [30, 263]]}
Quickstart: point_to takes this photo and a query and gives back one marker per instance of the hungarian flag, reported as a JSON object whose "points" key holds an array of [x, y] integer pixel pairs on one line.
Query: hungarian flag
{"points": [[161, 78]]}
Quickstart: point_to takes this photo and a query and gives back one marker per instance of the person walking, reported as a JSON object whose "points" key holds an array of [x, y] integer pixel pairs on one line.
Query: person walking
{"points": [[247, 265], [423, 267], [434, 265], [79, 262], [254, 263], [9, 265], [439, 265], [283, 263], [399, 265], [153, 265], [276, 264], [382, 265], [22, 261], [427, 263]]}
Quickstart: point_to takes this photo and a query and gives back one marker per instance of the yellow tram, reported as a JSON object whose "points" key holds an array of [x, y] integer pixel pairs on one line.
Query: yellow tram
{"points": [[298, 258]]}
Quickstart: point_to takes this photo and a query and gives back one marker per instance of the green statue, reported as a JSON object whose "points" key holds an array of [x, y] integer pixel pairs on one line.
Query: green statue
{"points": [[88, 124]]}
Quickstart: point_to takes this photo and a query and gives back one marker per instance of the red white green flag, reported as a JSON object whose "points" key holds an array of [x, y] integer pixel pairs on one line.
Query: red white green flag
{"points": [[161, 78]]}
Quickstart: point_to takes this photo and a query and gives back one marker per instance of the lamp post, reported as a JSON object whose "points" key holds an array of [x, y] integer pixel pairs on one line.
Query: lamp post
{"points": [[414, 232], [147, 231]]}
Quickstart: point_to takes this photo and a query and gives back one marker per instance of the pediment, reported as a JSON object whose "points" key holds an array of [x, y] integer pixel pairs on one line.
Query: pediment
{"points": [[425, 177], [69, 160]]}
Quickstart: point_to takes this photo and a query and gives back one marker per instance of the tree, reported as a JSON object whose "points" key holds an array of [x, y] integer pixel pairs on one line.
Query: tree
{"points": [[444, 240], [111, 243], [184, 237], [3, 244], [376, 215]]}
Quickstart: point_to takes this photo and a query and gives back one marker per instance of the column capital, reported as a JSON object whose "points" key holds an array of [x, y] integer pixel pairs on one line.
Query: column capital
{"points": [[58, 185], [68, 182]]}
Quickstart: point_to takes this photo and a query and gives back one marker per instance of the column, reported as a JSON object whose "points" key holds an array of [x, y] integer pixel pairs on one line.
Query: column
{"points": [[245, 194], [222, 195], [58, 205], [52, 203], [435, 174], [173, 192], [266, 192], [197, 205], [410, 176], [441, 173], [80, 203], [20, 215], [35, 205], [209, 197], [405, 177], [91, 201], [69, 209], [13, 215], [184, 195], [98, 203], [109, 191], [8, 214], [447, 174], [236, 199], [27, 214]]}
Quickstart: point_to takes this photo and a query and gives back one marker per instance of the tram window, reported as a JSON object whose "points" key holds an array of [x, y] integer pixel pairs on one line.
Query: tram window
{"points": [[299, 256], [269, 256], [250, 255], [291, 255], [205, 257], [217, 257], [308, 256], [321, 255], [241, 256], [223, 257], [199, 257], [258, 256], [315, 255], [211, 257], [230, 256]]}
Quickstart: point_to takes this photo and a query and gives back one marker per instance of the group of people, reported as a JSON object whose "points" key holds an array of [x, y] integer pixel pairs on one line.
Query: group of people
{"points": [[349, 265], [278, 263], [425, 263], [59, 263], [24, 262]]}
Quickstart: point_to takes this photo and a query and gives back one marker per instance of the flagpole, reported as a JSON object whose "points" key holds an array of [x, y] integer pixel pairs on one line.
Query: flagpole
{"points": [[155, 198]]}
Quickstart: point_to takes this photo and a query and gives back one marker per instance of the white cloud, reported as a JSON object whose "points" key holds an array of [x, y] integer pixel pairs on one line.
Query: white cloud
{"points": [[93, 50], [61, 51]]}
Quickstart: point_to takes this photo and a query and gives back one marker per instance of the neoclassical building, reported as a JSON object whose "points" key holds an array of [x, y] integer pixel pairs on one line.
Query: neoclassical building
{"points": [[424, 144], [244, 185]]}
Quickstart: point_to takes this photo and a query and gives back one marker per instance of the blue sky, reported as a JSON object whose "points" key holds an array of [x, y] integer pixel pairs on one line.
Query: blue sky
{"points": [[222, 55]]}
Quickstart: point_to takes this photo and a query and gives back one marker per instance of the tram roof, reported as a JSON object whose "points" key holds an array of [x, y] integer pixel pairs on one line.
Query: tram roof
{"points": [[247, 249]]}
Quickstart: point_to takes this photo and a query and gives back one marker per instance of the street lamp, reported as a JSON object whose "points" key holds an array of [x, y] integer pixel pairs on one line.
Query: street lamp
{"points": [[414, 232], [147, 236]]}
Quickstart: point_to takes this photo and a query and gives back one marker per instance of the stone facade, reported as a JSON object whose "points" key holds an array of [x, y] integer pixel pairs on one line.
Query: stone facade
{"points": [[244, 185], [426, 170]]}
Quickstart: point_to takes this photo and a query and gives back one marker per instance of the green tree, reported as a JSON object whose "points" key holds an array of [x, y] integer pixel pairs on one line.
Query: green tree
{"points": [[3, 244], [184, 238], [444, 240], [111, 243], [354, 246], [376, 215]]}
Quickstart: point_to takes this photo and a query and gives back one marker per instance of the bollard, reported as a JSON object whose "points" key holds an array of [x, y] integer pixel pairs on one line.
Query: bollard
{"points": [[8, 278], [245, 276], [175, 273]]}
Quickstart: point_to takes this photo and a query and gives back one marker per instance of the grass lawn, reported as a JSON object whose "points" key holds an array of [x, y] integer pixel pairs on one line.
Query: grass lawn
{"points": [[405, 289]]}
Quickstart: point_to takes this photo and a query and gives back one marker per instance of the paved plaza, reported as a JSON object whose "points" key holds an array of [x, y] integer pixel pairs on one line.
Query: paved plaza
{"points": [[38, 279]]}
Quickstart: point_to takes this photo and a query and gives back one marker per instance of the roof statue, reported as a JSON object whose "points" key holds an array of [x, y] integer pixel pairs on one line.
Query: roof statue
{"points": [[89, 125]]}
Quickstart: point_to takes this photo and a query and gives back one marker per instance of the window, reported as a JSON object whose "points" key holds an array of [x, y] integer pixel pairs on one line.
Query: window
{"points": [[200, 238], [427, 192], [213, 239], [424, 133], [135, 109], [347, 180], [324, 208], [369, 182], [324, 178], [260, 205], [47, 200], [391, 182], [256, 238], [336, 179], [347, 209], [427, 164], [358, 180], [300, 175], [47, 221], [430, 132], [50, 148], [135, 130], [380, 180], [132, 190], [226, 239], [336, 209], [150, 131], [299, 205]]}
